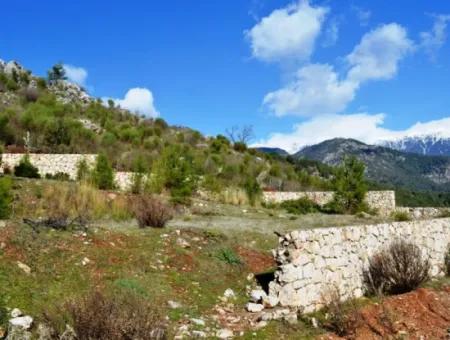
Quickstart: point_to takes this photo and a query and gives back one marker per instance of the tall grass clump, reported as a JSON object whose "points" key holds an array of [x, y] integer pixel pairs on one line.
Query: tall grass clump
{"points": [[6, 197]]}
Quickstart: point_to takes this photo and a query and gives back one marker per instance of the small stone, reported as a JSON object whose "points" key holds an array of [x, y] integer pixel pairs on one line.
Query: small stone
{"points": [[229, 293], [270, 301], [173, 304], [198, 322], [291, 318], [224, 333], [314, 322], [254, 307], [257, 295], [16, 312], [250, 277], [24, 267], [183, 243], [45, 332], [85, 261], [69, 334], [198, 334], [266, 317], [23, 322]]}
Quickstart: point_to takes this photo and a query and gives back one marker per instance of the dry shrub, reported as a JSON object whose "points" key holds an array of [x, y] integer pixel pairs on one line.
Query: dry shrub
{"points": [[151, 211], [116, 317], [341, 317], [234, 196], [397, 269]]}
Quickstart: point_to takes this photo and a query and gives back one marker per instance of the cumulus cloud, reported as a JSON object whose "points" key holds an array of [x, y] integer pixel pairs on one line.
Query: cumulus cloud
{"points": [[378, 54], [138, 100], [288, 32], [317, 88], [76, 74], [433, 40], [364, 127]]}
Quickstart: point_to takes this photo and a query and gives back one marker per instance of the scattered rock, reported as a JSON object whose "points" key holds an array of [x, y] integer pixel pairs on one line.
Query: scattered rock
{"points": [[24, 267], [229, 294], [23, 322], [314, 322], [85, 261], [183, 243], [257, 295], [198, 322], [69, 334], [224, 333], [254, 307], [198, 334], [250, 277], [174, 304], [291, 318], [45, 332], [270, 301], [16, 312]]}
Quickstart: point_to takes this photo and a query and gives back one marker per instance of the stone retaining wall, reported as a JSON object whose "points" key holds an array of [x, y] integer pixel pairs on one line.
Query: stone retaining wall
{"points": [[383, 201], [49, 163], [313, 261]]}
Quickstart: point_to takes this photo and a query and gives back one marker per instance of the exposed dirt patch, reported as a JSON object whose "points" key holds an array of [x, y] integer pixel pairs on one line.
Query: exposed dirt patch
{"points": [[422, 314], [257, 262]]}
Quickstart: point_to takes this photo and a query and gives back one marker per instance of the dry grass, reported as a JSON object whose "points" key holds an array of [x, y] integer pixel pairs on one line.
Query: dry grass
{"points": [[117, 317], [234, 196]]}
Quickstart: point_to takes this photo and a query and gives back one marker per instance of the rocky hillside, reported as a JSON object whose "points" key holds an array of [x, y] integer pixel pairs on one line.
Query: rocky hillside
{"points": [[386, 166], [52, 115]]}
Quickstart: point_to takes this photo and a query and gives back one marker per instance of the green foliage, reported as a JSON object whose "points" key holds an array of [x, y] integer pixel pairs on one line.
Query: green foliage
{"points": [[56, 73], [59, 176], [240, 147], [137, 181], [83, 172], [252, 189], [350, 187], [26, 169], [103, 174], [400, 216], [176, 172], [300, 206], [6, 198], [228, 256]]}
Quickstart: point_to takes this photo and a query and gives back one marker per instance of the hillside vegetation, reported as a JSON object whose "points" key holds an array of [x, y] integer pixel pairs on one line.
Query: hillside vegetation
{"points": [[54, 116]]}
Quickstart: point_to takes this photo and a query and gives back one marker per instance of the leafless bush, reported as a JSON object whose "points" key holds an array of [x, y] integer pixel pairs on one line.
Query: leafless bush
{"points": [[397, 269], [151, 211], [117, 317], [342, 317]]}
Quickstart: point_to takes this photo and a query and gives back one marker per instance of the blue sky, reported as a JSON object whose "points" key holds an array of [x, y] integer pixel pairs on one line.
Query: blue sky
{"points": [[299, 72]]}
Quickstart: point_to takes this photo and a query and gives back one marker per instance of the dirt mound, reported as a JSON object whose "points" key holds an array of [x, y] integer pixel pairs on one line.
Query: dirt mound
{"points": [[256, 261], [421, 314]]}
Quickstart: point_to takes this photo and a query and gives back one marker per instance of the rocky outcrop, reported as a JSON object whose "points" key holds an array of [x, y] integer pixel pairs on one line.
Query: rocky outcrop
{"points": [[312, 261]]}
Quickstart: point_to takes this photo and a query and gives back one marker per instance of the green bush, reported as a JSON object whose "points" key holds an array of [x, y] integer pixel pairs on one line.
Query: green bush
{"points": [[6, 197], [301, 206], [26, 169], [228, 256], [350, 188], [252, 189], [400, 216], [177, 173], [103, 174], [83, 172], [59, 176]]}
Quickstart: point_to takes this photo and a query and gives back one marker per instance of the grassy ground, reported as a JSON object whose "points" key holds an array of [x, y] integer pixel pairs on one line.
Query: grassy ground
{"points": [[205, 250]]}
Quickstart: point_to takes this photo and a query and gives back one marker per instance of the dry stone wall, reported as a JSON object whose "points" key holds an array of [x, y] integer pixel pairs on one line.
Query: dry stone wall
{"points": [[313, 261], [49, 163], [383, 201]]}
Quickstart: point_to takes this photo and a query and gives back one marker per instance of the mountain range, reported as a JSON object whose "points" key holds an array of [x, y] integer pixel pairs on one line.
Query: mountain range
{"points": [[431, 144], [386, 166]]}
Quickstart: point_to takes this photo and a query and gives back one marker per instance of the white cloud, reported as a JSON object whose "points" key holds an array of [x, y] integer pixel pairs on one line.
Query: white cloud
{"points": [[317, 88], [289, 32], [361, 126], [138, 100], [76, 74], [432, 41], [331, 33], [362, 15], [378, 54]]}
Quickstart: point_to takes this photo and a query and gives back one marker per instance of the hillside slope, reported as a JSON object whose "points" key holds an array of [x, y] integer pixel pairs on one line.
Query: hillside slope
{"points": [[386, 166], [436, 145]]}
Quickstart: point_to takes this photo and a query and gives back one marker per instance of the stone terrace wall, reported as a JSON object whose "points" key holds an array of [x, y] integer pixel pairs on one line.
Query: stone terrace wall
{"points": [[313, 261], [49, 163], [383, 201]]}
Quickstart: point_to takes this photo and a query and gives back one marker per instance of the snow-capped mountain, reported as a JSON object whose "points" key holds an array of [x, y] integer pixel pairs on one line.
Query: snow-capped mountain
{"points": [[432, 144]]}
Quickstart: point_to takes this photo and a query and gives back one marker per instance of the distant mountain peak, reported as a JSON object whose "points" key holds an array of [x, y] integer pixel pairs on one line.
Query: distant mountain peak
{"points": [[437, 144]]}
